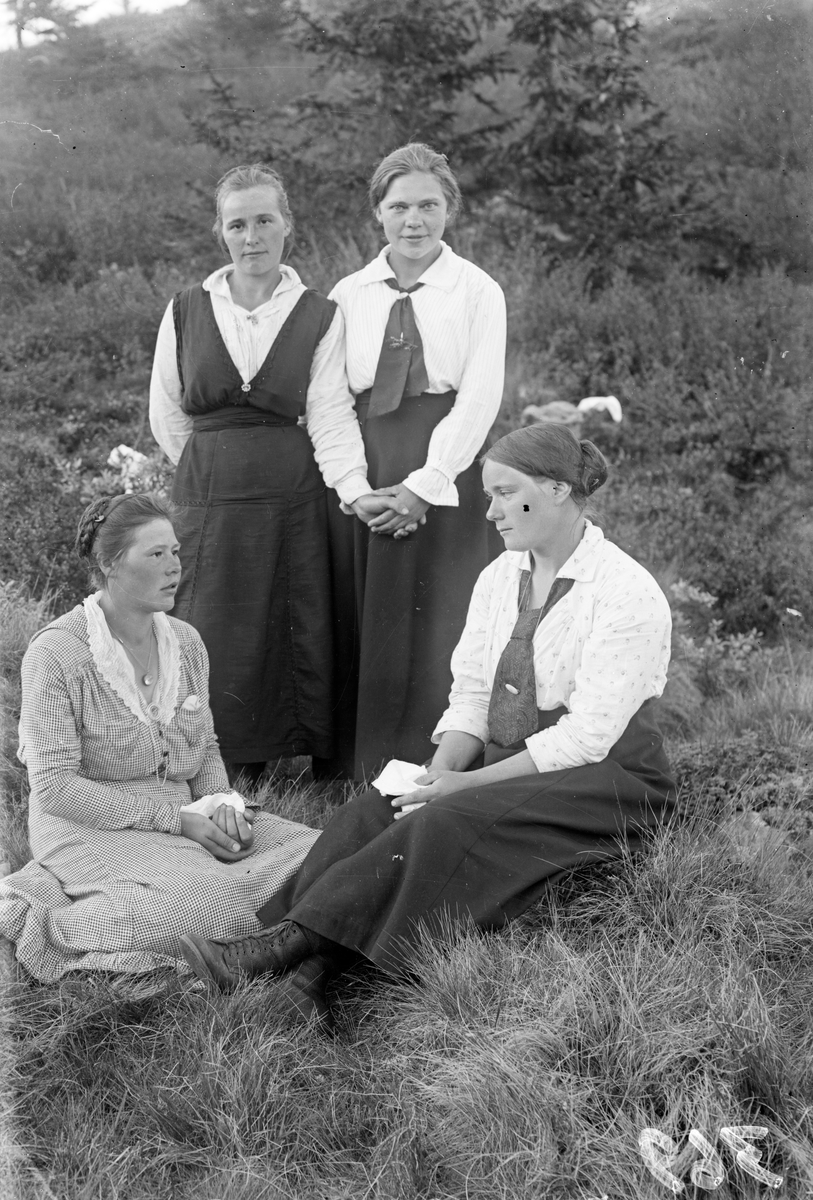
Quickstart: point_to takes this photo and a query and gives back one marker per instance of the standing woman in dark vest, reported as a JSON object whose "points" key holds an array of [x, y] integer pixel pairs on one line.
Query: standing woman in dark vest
{"points": [[249, 397], [426, 361]]}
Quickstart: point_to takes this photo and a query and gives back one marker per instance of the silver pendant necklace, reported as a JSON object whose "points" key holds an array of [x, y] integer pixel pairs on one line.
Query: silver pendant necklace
{"points": [[147, 679]]}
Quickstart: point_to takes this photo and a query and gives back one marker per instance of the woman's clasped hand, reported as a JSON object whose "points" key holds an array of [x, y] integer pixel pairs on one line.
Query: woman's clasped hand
{"points": [[404, 512], [394, 511], [227, 834], [431, 786]]}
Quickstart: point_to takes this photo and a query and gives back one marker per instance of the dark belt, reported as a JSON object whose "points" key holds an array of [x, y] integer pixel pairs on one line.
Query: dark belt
{"points": [[363, 398], [239, 417]]}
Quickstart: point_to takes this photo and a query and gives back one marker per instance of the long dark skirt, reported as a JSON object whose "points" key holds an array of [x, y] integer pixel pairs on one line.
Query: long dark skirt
{"points": [[398, 625], [256, 585], [485, 853]]}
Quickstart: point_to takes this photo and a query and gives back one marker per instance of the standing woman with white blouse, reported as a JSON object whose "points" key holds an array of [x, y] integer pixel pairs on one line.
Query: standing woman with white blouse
{"points": [[249, 397], [426, 360]]}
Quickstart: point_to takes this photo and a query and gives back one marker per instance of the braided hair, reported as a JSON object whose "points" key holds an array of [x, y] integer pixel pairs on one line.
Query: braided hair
{"points": [[552, 452], [108, 526]]}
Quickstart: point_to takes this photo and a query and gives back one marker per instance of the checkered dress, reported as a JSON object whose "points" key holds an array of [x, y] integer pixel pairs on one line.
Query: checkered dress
{"points": [[113, 883]]}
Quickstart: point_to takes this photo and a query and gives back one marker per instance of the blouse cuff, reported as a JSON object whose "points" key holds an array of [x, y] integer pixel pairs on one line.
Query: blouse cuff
{"points": [[209, 781], [434, 486], [352, 487], [168, 819], [461, 722]]}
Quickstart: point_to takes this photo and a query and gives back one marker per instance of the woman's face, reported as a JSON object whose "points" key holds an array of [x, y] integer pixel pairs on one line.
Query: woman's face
{"points": [[525, 509], [254, 230], [413, 215], [146, 576]]}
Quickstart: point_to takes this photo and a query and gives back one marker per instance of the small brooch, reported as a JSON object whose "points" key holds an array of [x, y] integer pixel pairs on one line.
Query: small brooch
{"points": [[399, 343], [191, 703]]}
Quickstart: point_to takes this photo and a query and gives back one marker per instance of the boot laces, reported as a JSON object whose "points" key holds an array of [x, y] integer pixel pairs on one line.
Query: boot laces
{"points": [[256, 943]]}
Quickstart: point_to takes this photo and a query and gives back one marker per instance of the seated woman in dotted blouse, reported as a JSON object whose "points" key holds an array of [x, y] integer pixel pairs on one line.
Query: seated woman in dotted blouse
{"points": [[548, 756], [135, 832]]}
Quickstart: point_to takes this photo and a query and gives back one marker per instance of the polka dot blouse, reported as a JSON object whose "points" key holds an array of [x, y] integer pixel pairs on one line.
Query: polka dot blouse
{"points": [[601, 651]]}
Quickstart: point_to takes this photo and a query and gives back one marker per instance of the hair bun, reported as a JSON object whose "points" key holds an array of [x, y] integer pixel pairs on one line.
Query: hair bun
{"points": [[594, 468]]}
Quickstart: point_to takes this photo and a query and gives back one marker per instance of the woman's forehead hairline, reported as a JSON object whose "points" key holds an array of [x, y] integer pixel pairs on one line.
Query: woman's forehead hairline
{"points": [[237, 193]]}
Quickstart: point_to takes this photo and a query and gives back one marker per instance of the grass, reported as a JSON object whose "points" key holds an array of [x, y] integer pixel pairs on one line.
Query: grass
{"points": [[670, 991]]}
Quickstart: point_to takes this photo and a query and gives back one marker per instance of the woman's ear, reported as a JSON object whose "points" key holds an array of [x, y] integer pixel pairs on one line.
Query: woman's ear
{"points": [[561, 491]]}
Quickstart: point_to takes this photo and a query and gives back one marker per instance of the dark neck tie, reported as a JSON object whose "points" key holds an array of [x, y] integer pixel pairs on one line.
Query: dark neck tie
{"points": [[512, 711], [401, 370]]}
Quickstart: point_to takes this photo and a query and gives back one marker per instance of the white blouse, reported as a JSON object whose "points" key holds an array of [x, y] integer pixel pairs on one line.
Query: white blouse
{"points": [[460, 314], [601, 651], [248, 336]]}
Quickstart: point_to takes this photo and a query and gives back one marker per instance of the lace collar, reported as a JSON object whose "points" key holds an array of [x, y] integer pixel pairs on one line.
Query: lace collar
{"points": [[115, 669]]}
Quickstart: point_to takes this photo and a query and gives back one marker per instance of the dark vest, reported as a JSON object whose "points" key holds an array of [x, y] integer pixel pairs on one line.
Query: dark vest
{"points": [[209, 378]]}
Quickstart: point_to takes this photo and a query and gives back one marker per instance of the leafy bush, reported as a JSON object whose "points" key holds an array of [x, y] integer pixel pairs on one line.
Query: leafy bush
{"points": [[718, 661]]}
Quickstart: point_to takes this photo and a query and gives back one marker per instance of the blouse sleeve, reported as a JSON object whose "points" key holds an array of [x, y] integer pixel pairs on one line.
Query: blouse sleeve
{"points": [[51, 749], [458, 438], [170, 425], [623, 663], [470, 695], [212, 777], [331, 418]]}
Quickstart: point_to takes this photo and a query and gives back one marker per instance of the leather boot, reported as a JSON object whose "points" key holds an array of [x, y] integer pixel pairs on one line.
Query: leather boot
{"points": [[273, 951]]}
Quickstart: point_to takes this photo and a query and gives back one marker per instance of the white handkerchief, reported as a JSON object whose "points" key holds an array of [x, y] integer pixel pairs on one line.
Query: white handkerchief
{"points": [[608, 404], [207, 804], [397, 778]]}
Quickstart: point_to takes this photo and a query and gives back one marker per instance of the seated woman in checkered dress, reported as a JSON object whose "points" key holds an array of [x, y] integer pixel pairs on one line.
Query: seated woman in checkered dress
{"points": [[118, 739]]}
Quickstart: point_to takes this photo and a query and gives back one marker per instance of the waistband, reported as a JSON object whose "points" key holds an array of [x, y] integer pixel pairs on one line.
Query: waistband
{"points": [[239, 416], [364, 397]]}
